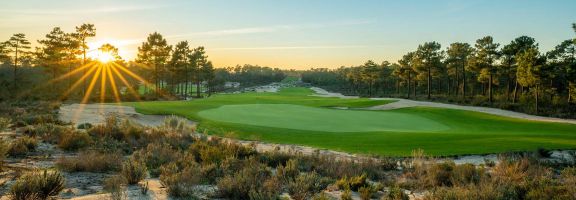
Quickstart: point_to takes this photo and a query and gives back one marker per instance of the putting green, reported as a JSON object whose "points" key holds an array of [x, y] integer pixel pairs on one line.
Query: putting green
{"points": [[320, 119]]}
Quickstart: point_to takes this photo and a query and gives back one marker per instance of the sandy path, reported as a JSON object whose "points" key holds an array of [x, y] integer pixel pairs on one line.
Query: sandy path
{"points": [[96, 113], [406, 103]]}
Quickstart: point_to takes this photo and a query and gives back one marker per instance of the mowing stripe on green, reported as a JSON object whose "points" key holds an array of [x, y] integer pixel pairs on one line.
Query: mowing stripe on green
{"points": [[320, 119]]}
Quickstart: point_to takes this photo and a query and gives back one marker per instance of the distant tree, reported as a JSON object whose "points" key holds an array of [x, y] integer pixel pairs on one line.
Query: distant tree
{"points": [[457, 57], [18, 44], [82, 33], [208, 75], [529, 71], [508, 55], [563, 58], [179, 66], [4, 51], [154, 52], [53, 50], [428, 59], [197, 59], [405, 71], [110, 49], [369, 74], [483, 62]]}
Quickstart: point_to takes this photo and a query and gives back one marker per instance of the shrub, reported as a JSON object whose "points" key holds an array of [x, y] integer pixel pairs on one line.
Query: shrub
{"points": [[74, 140], [466, 174], [352, 183], [180, 183], [346, 195], [156, 155], [440, 174], [5, 123], [85, 126], [23, 145], [133, 171], [116, 186], [37, 185], [91, 161], [365, 193], [305, 186], [321, 196], [395, 193], [288, 172], [4, 148], [240, 184]]}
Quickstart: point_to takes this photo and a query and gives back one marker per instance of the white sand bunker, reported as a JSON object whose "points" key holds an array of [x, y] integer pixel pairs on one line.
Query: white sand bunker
{"points": [[323, 93], [96, 113]]}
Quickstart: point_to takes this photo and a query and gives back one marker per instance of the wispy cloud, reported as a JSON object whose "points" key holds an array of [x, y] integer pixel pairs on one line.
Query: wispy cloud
{"points": [[98, 10], [273, 28], [291, 47]]}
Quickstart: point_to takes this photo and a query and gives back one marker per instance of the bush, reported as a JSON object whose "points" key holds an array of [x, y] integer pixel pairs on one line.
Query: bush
{"points": [[85, 126], [37, 185], [352, 183], [133, 171], [5, 123], [4, 148], [366, 193], [156, 155], [116, 186], [395, 193], [22, 146], [440, 174], [466, 174], [346, 195], [74, 140], [288, 172], [180, 183], [91, 161], [242, 183], [305, 186]]}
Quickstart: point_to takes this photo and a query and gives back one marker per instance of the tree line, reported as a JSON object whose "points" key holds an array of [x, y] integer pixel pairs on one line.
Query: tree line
{"points": [[514, 76]]}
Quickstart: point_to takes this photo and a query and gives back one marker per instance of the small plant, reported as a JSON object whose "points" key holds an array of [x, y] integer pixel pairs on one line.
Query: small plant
{"points": [[352, 183], [38, 185], [133, 171], [180, 183], [4, 148], [22, 146], [365, 193], [74, 140], [5, 123], [85, 126], [116, 186], [91, 161], [321, 196], [346, 195], [395, 193], [304, 186]]}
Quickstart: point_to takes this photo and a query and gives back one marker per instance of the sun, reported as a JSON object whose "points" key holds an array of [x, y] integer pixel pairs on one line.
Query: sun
{"points": [[105, 57]]}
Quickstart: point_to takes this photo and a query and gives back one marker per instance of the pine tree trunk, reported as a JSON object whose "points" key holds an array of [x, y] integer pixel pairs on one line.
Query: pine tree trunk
{"points": [[490, 88], [515, 95], [409, 82], [429, 81], [537, 98]]}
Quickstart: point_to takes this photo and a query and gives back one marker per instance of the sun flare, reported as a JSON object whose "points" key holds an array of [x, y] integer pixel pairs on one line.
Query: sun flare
{"points": [[105, 57]]}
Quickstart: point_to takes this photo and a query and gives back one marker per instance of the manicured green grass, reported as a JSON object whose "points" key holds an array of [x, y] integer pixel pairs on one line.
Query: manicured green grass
{"points": [[293, 117]]}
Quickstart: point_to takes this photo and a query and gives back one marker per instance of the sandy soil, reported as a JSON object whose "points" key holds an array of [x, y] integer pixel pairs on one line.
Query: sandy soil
{"points": [[96, 113]]}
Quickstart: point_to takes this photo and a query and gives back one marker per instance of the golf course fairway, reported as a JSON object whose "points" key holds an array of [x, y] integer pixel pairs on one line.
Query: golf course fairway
{"points": [[292, 116]]}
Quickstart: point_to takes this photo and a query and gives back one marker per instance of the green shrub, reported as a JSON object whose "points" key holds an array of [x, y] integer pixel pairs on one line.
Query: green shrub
{"points": [[290, 171], [74, 140], [133, 171], [37, 185], [321, 196], [22, 146], [91, 161], [85, 126]]}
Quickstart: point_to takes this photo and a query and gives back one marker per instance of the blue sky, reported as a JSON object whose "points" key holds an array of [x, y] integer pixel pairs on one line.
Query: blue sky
{"points": [[297, 33]]}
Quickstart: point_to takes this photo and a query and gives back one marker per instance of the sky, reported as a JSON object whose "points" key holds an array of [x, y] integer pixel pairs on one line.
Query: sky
{"points": [[295, 34]]}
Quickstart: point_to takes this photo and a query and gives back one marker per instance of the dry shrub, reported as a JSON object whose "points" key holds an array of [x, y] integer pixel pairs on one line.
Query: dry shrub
{"points": [[353, 183], [91, 161], [5, 123], [181, 183], [249, 179], [440, 174], [22, 146], [288, 172], [116, 186], [133, 171], [74, 140], [395, 193], [346, 195], [155, 155], [306, 185], [4, 148], [37, 185]]}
